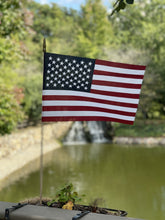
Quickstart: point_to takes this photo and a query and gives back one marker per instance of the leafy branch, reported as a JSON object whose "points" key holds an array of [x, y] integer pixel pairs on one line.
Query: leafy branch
{"points": [[120, 5]]}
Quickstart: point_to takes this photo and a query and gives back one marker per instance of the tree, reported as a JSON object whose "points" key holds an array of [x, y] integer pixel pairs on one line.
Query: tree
{"points": [[142, 28], [12, 30], [94, 30]]}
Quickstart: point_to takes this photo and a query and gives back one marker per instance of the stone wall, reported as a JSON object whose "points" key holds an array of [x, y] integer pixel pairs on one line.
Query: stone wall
{"points": [[147, 141], [31, 136], [22, 149]]}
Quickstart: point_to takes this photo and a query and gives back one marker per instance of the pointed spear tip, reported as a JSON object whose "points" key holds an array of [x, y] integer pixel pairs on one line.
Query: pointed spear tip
{"points": [[44, 45]]}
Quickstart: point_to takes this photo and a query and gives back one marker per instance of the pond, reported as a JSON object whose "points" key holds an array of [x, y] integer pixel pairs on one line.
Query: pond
{"points": [[129, 178]]}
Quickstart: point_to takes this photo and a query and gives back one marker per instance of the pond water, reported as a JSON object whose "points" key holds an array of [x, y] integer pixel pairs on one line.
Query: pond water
{"points": [[127, 178]]}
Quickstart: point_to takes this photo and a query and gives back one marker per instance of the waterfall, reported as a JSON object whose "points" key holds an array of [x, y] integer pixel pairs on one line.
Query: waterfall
{"points": [[91, 131], [97, 131], [76, 135]]}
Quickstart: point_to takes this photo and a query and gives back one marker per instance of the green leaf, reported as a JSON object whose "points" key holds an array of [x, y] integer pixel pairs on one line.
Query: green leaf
{"points": [[130, 1], [122, 5]]}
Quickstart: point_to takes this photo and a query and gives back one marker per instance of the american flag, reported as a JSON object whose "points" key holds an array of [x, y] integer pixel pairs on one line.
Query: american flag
{"points": [[83, 89]]}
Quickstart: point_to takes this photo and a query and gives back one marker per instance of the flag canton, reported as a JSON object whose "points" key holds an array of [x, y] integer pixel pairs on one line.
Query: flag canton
{"points": [[67, 72]]}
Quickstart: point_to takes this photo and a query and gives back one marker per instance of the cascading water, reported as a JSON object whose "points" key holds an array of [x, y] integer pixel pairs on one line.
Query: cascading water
{"points": [[91, 131], [76, 135], [97, 131]]}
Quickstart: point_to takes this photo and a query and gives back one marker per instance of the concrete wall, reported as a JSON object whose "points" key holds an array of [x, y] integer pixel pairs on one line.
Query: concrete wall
{"points": [[23, 138], [19, 149]]}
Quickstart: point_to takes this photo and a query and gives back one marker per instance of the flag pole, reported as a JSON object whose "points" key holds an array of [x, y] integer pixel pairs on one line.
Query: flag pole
{"points": [[42, 143]]}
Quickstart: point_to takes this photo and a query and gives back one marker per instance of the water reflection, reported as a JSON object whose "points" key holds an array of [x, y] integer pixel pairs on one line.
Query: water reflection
{"points": [[128, 178]]}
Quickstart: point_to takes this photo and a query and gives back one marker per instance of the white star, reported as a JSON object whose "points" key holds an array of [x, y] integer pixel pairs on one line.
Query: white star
{"points": [[69, 64], [86, 88], [61, 63], [66, 82], [47, 84], [85, 66], [88, 70], [75, 78], [55, 84], [62, 85], [73, 68], [78, 87], [52, 75], [77, 65], [70, 86], [54, 62], [60, 70], [86, 82], [66, 60], [51, 81], [49, 64], [76, 71], [81, 69], [74, 61], [57, 65], [48, 71], [50, 58], [68, 71], [58, 59], [59, 81], [88, 77], [64, 73], [52, 68], [56, 72], [90, 63], [82, 62], [83, 79], [65, 67], [60, 76], [48, 78], [84, 73]]}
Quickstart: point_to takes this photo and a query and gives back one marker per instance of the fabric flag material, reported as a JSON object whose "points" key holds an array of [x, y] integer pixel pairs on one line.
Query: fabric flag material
{"points": [[82, 89]]}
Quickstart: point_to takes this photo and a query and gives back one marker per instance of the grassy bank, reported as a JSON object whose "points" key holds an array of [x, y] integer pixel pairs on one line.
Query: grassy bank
{"points": [[141, 128]]}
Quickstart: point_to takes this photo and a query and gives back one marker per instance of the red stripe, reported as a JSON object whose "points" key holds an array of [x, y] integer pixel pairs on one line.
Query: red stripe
{"points": [[99, 72], [117, 94], [88, 99], [85, 118], [86, 108], [120, 65], [116, 84]]}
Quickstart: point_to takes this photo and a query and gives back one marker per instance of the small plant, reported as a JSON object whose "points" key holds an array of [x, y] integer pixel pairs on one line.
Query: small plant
{"points": [[64, 195]]}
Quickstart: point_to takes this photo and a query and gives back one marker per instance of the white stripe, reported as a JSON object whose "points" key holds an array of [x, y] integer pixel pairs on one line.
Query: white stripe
{"points": [[118, 70], [117, 79], [85, 113], [84, 103], [116, 89], [91, 95]]}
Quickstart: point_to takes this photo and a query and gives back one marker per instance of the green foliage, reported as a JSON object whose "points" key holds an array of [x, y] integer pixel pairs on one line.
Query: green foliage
{"points": [[10, 110], [135, 35], [66, 194], [94, 30], [32, 97], [141, 128], [120, 5]]}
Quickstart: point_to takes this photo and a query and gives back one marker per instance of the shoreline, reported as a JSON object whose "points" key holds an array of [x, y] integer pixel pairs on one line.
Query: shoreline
{"points": [[28, 157], [147, 141], [23, 149]]}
